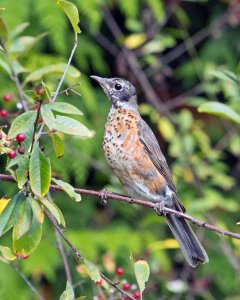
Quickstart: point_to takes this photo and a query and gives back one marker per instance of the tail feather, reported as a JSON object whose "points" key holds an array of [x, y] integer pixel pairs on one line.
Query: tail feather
{"points": [[192, 249]]}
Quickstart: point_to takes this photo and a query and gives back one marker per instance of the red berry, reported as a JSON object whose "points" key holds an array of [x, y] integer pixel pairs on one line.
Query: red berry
{"points": [[7, 97], [126, 286], [21, 150], [119, 271], [99, 282], [136, 295], [40, 120], [4, 113], [20, 137], [39, 91], [12, 154]]}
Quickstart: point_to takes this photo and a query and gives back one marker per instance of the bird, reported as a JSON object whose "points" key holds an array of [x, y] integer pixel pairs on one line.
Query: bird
{"points": [[134, 155]]}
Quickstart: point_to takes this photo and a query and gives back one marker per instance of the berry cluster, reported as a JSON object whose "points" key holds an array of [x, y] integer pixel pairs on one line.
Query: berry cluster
{"points": [[3, 112], [124, 284], [20, 137]]}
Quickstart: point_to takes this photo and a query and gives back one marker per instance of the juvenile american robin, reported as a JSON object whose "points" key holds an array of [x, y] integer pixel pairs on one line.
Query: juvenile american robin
{"points": [[133, 153]]}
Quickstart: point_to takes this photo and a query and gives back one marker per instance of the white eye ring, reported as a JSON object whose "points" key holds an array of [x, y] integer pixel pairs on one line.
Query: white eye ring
{"points": [[118, 86]]}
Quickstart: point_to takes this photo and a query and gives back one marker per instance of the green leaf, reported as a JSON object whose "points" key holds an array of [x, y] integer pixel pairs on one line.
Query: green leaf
{"points": [[23, 220], [65, 108], [1, 48], [17, 30], [68, 294], [36, 210], [5, 66], [7, 253], [29, 241], [23, 43], [71, 126], [52, 69], [18, 68], [58, 145], [221, 110], [48, 116], [225, 75], [22, 172], [30, 96], [22, 123], [39, 172], [93, 270], [142, 271], [9, 215], [72, 13], [3, 30], [46, 90], [68, 189], [53, 208]]}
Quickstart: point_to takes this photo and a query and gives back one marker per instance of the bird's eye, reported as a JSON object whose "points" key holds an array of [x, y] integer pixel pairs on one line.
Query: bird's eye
{"points": [[118, 86]]}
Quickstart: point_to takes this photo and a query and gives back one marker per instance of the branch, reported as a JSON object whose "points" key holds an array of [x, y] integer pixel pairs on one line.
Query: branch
{"points": [[79, 256], [60, 84], [112, 196], [28, 282], [133, 63], [62, 250]]}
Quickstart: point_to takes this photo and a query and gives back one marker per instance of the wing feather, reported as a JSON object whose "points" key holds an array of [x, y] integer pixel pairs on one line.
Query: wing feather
{"points": [[152, 148]]}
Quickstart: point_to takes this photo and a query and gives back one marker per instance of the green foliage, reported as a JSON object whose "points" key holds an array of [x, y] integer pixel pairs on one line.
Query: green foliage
{"points": [[72, 13], [202, 150], [39, 172], [142, 272]]}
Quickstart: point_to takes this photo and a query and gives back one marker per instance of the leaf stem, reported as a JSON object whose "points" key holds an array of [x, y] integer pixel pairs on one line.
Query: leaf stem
{"points": [[60, 84], [65, 71]]}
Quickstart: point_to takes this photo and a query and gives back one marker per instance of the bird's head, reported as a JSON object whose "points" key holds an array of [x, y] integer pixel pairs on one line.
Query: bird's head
{"points": [[119, 91]]}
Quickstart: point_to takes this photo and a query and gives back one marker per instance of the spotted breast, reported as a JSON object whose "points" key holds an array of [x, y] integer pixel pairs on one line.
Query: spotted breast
{"points": [[126, 157]]}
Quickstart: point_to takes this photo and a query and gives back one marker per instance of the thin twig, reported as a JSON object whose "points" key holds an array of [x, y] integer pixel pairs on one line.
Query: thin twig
{"points": [[14, 77], [60, 84], [27, 281], [112, 196], [35, 126], [79, 256], [62, 250], [65, 71]]}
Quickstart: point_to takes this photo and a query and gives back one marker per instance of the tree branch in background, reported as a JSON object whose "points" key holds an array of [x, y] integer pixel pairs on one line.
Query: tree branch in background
{"points": [[133, 63], [79, 256], [107, 195], [28, 282], [62, 251]]}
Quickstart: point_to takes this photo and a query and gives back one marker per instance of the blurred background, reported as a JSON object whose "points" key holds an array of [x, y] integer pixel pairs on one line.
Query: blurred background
{"points": [[174, 52]]}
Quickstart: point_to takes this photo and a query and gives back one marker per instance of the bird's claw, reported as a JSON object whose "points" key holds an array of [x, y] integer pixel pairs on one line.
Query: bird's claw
{"points": [[159, 208], [103, 195]]}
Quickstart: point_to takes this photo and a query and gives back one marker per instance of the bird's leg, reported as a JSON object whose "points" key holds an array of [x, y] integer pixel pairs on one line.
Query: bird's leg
{"points": [[103, 195], [165, 200], [159, 208]]}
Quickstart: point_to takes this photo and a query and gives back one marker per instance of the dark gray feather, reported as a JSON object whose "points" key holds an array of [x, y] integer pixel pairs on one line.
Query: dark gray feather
{"points": [[152, 148]]}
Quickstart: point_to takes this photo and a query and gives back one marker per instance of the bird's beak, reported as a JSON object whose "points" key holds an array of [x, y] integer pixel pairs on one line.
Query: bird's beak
{"points": [[100, 80], [105, 84]]}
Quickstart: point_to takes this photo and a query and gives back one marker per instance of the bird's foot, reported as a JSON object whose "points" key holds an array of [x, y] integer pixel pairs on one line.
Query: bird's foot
{"points": [[159, 208], [103, 195]]}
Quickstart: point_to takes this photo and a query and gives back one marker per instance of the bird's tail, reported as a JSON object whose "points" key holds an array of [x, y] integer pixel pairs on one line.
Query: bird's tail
{"points": [[192, 249]]}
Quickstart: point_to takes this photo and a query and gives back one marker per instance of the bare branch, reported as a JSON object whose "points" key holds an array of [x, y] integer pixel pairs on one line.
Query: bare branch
{"points": [[112, 196], [27, 281], [133, 63], [62, 250], [79, 256]]}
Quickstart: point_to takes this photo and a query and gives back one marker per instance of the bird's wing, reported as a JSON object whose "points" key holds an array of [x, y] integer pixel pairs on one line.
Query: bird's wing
{"points": [[152, 148]]}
